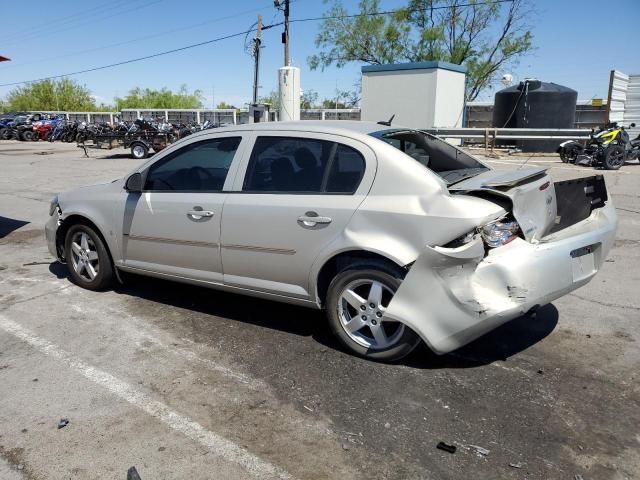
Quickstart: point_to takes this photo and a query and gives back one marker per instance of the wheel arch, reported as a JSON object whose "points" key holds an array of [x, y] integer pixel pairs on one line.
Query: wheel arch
{"points": [[357, 257], [79, 219]]}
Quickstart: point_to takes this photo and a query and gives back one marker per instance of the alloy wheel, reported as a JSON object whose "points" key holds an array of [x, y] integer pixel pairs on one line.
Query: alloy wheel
{"points": [[361, 309], [84, 256]]}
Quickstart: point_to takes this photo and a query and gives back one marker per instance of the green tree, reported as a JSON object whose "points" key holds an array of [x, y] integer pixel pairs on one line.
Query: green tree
{"points": [[273, 99], [63, 95], [485, 36], [309, 99], [225, 105], [164, 98]]}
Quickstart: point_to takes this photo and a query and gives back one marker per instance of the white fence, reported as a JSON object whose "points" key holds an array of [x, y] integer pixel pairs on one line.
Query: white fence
{"points": [[215, 116]]}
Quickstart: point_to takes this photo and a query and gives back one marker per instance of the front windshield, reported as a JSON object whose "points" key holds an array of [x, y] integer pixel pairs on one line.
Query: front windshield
{"points": [[450, 163]]}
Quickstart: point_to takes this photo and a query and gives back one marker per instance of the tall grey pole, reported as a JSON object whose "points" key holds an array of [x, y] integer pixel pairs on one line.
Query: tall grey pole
{"points": [[285, 38], [256, 54]]}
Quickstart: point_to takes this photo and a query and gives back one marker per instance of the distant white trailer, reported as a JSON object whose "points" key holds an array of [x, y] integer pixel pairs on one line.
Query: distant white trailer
{"points": [[419, 94]]}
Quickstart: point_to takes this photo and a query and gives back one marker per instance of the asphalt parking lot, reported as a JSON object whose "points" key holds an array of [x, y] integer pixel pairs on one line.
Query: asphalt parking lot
{"points": [[184, 382]]}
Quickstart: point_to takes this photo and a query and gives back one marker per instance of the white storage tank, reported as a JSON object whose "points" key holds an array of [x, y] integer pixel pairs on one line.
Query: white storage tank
{"points": [[289, 88], [419, 94]]}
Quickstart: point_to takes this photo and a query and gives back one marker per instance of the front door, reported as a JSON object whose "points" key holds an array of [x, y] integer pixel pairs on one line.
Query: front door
{"points": [[173, 226], [297, 196]]}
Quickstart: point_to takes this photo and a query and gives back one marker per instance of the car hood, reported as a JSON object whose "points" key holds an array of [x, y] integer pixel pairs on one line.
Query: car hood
{"points": [[530, 190], [88, 191]]}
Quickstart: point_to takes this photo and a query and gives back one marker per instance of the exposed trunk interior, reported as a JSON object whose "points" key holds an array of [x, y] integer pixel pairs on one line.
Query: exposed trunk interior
{"points": [[577, 198]]}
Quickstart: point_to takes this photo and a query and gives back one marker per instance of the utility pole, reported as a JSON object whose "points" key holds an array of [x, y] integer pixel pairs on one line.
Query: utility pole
{"points": [[256, 56], [285, 34]]}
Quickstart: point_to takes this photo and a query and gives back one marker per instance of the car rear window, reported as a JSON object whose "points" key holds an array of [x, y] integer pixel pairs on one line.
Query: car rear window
{"points": [[442, 158], [293, 164]]}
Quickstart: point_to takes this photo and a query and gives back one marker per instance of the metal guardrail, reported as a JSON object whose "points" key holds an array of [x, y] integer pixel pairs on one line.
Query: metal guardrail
{"points": [[490, 135]]}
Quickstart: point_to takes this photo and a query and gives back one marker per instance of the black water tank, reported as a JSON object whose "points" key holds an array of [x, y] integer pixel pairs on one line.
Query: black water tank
{"points": [[535, 104]]}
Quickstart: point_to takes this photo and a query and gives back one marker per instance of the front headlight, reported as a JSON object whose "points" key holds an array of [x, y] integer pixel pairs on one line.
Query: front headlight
{"points": [[53, 205], [500, 232]]}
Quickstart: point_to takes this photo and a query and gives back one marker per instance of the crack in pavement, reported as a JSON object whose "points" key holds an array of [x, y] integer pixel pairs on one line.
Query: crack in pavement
{"points": [[605, 304], [8, 305]]}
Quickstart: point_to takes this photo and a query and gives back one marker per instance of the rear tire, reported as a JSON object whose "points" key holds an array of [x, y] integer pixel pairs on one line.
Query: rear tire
{"points": [[87, 258], [358, 325], [614, 157]]}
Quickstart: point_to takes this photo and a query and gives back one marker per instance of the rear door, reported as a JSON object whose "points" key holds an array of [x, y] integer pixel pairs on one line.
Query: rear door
{"points": [[294, 194], [173, 226]]}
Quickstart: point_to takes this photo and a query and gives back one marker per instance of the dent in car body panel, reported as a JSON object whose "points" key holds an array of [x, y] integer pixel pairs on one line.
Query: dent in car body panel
{"points": [[452, 296]]}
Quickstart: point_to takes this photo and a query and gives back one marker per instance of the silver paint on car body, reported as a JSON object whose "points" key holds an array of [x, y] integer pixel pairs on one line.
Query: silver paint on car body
{"points": [[257, 244]]}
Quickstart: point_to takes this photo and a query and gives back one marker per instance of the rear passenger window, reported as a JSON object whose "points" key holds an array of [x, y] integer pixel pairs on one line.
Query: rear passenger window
{"points": [[288, 164], [346, 171]]}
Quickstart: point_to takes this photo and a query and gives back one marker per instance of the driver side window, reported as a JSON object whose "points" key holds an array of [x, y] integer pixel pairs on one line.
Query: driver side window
{"points": [[197, 167]]}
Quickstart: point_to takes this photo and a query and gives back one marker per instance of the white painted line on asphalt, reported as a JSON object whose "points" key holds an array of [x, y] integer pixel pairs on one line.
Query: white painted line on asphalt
{"points": [[218, 445], [136, 328]]}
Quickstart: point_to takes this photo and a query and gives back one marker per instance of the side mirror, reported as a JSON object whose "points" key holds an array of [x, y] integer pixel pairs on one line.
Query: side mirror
{"points": [[134, 183]]}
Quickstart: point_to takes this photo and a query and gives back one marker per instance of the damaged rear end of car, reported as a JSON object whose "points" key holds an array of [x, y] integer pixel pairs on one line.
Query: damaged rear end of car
{"points": [[552, 239]]}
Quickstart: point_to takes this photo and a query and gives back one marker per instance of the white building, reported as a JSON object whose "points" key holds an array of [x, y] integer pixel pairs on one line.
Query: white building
{"points": [[420, 94]]}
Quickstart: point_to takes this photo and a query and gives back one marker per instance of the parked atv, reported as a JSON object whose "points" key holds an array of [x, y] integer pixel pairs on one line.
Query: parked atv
{"points": [[5, 129], [608, 147]]}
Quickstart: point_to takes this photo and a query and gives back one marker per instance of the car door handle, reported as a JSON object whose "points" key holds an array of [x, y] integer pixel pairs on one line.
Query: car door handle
{"points": [[200, 213], [311, 218]]}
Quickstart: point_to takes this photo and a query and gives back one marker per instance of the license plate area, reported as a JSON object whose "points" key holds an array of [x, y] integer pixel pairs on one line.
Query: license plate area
{"points": [[583, 262]]}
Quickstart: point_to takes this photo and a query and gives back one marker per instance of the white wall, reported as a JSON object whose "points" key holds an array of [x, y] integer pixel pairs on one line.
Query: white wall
{"points": [[449, 97], [419, 98]]}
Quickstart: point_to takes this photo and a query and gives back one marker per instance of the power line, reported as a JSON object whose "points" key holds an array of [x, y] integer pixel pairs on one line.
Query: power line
{"points": [[37, 35], [66, 19], [133, 40], [146, 57], [226, 37]]}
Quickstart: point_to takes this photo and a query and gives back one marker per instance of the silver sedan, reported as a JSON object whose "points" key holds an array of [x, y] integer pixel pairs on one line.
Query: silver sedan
{"points": [[398, 235]]}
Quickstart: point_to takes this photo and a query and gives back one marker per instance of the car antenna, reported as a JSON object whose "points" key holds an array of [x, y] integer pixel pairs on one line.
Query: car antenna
{"points": [[388, 122]]}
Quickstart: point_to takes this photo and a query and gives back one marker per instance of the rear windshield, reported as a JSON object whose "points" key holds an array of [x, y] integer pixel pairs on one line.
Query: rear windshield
{"points": [[449, 162]]}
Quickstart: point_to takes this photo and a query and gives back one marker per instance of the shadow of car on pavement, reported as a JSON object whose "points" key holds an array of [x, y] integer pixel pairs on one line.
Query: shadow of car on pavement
{"points": [[505, 341]]}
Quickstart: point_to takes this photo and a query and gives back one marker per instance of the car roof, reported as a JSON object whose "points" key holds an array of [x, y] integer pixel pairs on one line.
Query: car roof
{"points": [[337, 127]]}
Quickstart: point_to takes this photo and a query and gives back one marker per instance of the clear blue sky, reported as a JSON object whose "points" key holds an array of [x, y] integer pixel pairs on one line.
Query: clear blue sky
{"points": [[578, 42]]}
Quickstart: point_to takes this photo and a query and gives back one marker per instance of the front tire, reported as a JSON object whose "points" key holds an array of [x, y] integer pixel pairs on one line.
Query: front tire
{"points": [[87, 258], [356, 302], [614, 157]]}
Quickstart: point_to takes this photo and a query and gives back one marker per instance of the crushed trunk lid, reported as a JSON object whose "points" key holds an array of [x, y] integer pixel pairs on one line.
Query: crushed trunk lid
{"points": [[530, 191]]}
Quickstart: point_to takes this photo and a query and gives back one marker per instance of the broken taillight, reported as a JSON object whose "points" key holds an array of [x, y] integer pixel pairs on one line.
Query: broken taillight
{"points": [[500, 232]]}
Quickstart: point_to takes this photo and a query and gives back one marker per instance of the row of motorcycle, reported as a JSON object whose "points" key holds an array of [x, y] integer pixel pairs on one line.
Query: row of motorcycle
{"points": [[26, 126]]}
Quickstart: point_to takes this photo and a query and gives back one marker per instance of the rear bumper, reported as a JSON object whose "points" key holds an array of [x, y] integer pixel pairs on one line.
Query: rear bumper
{"points": [[452, 296]]}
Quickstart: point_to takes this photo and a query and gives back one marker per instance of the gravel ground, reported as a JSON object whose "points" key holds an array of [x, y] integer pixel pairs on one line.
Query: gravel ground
{"points": [[184, 382]]}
